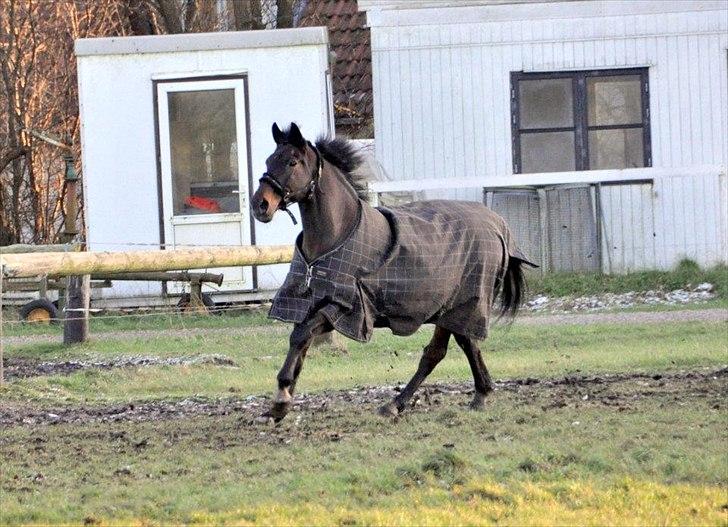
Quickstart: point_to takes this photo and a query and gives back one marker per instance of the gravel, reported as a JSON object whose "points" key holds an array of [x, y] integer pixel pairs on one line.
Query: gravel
{"points": [[607, 301]]}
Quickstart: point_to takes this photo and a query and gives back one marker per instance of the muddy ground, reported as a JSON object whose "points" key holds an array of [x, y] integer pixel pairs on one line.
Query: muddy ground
{"points": [[21, 368], [614, 390]]}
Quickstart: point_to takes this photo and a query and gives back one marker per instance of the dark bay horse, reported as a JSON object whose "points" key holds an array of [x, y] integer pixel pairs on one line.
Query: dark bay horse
{"points": [[356, 267]]}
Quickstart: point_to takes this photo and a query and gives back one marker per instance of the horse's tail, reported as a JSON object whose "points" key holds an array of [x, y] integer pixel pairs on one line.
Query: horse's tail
{"points": [[513, 287]]}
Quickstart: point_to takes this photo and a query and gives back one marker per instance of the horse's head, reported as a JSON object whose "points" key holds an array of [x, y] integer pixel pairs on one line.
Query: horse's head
{"points": [[291, 173]]}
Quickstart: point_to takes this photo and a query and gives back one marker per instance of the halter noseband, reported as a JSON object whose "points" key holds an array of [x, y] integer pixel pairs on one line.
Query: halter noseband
{"points": [[286, 194]]}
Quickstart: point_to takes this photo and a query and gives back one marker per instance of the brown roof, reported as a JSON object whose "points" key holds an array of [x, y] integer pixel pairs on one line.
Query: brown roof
{"points": [[352, 62]]}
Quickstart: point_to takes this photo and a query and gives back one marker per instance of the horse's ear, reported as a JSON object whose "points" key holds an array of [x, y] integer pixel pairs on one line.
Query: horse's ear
{"points": [[278, 136], [295, 137]]}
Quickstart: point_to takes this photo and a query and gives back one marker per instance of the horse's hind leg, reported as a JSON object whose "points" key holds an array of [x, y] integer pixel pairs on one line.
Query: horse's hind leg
{"points": [[483, 383], [433, 353]]}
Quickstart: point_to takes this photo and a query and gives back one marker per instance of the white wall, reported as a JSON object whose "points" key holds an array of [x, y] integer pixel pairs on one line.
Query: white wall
{"points": [[442, 91], [682, 214], [286, 82]]}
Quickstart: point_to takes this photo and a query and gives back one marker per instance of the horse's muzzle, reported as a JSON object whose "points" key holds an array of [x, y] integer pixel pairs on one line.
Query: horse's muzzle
{"points": [[265, 203]]}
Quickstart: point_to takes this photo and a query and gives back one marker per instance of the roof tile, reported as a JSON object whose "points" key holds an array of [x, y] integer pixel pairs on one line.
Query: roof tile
{"points": [[352, 66]]}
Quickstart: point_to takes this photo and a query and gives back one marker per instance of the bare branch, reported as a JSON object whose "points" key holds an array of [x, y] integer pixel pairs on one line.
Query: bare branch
{"points": [[12, 156]]}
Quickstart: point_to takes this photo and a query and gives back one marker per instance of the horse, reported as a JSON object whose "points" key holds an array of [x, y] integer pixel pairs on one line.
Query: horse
{"points": [[356, 267]]}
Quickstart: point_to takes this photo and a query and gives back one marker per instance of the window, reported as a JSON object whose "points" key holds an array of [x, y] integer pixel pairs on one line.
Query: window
{"points": [[203, 151], [583, 120]]}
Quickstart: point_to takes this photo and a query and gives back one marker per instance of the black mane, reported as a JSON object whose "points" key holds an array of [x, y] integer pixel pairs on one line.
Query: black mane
{"points": [[344, 156]]}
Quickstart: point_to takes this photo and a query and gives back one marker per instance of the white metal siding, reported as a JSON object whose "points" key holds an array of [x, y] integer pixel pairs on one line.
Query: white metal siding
{"points": [[654, 226], [442, 105], [118, 135]]}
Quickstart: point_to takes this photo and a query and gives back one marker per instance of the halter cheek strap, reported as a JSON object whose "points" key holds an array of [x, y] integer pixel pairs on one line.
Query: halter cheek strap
{"points": [[285, 193]]}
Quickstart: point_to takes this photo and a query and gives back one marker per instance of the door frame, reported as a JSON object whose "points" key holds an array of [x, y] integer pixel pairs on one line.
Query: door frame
{"points": [[238, 82]]}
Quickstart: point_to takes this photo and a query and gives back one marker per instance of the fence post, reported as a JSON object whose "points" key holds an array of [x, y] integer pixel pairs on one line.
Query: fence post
{"points": [[2, 359], [77, 300], [75, 322]]}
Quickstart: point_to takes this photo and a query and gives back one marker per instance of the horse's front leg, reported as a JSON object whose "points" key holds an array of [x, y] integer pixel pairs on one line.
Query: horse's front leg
{"points": [[299, 342]]}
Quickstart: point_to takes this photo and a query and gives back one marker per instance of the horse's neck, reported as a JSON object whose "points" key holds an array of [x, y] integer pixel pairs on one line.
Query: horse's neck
{"points": [[329, 214]]}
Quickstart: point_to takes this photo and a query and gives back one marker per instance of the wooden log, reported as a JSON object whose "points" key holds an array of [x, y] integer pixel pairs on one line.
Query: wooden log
{"points": [[75, 323], [162, 276], [36, 285], [21, 248], [67, 264]]}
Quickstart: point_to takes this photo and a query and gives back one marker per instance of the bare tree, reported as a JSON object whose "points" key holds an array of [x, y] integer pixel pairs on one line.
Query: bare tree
{"points": [[191, 16], [38, 86], [38, 93], [247, 15]]}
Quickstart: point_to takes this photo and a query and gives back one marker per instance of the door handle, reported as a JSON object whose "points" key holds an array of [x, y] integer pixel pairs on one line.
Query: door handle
{"points": [[243, 195]]}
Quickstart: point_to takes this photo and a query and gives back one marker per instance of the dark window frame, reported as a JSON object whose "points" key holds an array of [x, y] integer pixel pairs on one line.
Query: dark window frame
{"points": [[581, 128]]}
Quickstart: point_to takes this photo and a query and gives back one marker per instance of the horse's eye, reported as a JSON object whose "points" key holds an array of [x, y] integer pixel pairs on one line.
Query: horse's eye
{"points": [[292, 162]]}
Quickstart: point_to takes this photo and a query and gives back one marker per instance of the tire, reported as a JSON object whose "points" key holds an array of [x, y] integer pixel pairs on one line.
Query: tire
{"points": [[39, 311], [184, 303]]}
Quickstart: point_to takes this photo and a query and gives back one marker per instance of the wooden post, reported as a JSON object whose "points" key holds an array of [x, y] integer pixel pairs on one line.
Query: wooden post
{"points": [[78, 288], [75, 322], [67, 264], [197, 305], [162, 276], [2, 359]]}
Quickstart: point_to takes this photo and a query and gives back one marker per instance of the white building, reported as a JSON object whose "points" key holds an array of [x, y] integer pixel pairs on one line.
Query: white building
{"points": [[609, 118], [175, 133]]}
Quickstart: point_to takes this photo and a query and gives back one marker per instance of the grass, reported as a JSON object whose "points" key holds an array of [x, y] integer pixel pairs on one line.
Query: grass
{"points": [[687, 274], [658, 460], [629, 453], [108, 322], [515, 351]]}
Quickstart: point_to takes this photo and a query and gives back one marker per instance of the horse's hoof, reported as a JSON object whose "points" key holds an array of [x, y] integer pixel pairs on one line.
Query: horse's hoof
{"points": [[279, 411], [389, 410], [276, 413]]}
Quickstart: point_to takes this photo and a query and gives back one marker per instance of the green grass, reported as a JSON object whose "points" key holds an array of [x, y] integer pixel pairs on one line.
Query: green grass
{"points": [[653, 455], [686, 274], [112, 321], [515, 351], [658, 460]]}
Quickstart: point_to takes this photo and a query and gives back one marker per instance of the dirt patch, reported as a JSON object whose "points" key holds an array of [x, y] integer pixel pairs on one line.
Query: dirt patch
{"points": [[620, 390], [20, 368]]}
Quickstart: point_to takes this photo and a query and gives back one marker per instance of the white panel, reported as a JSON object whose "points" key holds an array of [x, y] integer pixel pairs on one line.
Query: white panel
{"points": [[214, 234], [119, 156], [723, 223], [466, 105]]}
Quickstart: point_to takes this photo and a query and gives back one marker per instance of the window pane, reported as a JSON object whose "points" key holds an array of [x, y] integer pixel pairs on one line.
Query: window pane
{"points": [[546, 103], [547, 152], [204, 151], [614, 100], [616, 148]]}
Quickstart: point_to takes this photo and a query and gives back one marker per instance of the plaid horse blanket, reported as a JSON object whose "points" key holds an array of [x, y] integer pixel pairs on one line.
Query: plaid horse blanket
{"points": [[439, 262]]}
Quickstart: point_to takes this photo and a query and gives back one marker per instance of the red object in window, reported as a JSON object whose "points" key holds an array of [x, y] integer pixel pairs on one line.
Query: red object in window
{"points": [[206, 204]]}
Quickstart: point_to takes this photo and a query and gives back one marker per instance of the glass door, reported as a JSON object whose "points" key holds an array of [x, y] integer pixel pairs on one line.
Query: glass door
{"points": [[203, 161]]}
